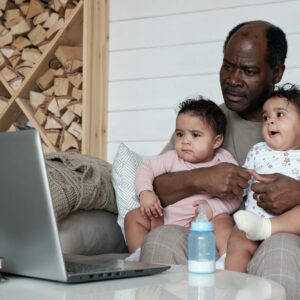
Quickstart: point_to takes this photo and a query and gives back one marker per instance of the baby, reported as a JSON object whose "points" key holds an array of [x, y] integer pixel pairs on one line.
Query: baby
{"points": [[280, 153], [200, 128]]}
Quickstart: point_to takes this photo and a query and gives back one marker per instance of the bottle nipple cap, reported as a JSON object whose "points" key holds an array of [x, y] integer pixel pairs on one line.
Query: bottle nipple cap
{"points": [[201, 223]]}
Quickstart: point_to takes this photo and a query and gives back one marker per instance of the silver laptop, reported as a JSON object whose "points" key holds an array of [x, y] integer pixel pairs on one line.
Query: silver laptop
{"points": [[29, 240]]}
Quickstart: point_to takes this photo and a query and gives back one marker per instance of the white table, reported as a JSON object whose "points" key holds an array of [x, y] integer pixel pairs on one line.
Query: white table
{"points": [[172, 284]]}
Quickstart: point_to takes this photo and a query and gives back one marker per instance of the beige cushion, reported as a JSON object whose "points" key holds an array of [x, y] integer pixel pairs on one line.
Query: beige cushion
{"points": [[91, 233]]}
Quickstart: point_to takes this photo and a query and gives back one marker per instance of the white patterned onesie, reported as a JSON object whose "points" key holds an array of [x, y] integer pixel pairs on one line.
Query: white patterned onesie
{"points": [[265, 160]]}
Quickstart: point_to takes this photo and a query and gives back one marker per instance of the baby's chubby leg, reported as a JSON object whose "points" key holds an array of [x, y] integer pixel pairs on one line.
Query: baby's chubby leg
{"points": [[239, 251], [137, 227]]}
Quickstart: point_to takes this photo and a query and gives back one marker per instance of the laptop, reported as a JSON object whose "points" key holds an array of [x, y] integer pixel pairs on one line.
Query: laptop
{"points": [[29, 239]]}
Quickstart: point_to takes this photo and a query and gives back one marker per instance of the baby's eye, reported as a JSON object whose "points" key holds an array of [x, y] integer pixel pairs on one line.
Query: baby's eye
{"points": [[265, 118], [179, 134], [196, 134], [280, 114]]}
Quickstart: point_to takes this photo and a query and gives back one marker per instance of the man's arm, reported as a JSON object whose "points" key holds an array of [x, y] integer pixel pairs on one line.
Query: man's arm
{"points": [[225, 181], [278, 193]]}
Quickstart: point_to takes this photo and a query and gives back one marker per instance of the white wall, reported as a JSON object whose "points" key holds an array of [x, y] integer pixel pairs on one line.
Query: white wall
{"points": [[162, 51]]}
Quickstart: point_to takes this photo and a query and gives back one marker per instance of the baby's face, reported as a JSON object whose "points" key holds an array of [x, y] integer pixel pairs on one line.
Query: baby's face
{"points": [[195, 141], [281, 124]]}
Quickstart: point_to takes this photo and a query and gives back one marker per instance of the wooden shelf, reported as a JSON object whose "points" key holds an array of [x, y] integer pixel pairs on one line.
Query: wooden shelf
{"points": [[85, 28]]}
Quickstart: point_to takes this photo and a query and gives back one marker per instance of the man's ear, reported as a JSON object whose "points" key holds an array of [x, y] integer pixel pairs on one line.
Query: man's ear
{"points": [[218, 141], [278, 73]]}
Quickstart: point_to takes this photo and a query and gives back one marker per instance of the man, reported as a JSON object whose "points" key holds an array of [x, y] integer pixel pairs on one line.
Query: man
{"points": [[254, 56]]}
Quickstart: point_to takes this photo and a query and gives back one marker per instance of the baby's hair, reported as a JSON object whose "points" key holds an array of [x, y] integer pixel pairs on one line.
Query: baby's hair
{"points": [[289, 91], [207, 110]]}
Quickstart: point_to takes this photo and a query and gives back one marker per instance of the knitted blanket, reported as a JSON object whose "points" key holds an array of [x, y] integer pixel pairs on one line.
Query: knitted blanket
{"points": [[79, 182]]}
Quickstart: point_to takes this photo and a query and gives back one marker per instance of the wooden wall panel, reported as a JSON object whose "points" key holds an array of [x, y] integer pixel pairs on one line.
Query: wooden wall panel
{"points": [[131, 9], [199, 27]]}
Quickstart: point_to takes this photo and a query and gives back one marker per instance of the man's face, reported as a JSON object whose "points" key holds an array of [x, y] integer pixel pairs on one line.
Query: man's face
{"points": [[245, 75]]}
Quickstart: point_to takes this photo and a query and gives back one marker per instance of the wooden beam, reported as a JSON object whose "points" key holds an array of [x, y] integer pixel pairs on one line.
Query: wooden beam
{"points": [[95, 74]]}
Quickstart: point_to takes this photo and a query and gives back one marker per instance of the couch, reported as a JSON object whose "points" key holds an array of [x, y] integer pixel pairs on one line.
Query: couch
{"points": [[84, 202], [87, 231], [91, 233]]}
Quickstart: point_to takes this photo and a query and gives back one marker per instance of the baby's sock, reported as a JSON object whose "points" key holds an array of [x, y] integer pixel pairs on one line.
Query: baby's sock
{"points": [[256, 228], [135, 256], [221, 262]]}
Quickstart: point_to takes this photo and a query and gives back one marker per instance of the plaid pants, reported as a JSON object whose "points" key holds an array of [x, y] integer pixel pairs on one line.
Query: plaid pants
{"points": [[277, 258]]}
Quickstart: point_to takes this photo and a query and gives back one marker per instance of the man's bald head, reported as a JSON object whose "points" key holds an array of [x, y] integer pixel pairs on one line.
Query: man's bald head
{"points": [[274, 36]]}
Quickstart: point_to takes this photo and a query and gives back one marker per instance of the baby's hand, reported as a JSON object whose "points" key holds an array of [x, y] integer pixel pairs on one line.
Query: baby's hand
{"points": [[150, 205], [208, 209]]}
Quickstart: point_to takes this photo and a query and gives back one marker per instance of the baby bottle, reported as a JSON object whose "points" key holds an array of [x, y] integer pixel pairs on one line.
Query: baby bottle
{"points": [[201, 245]]}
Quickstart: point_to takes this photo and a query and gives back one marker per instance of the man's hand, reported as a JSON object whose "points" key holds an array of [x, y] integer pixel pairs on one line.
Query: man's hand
{"points": [[226, 181], [150, 205], [277, 193]]}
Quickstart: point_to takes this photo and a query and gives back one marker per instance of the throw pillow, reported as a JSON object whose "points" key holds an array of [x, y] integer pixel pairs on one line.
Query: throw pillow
{"points": [[125, 165]]}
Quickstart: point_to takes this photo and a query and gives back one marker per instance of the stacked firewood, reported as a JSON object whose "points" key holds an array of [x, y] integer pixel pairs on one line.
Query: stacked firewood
{"points": [[57, 105], [26, 28]]}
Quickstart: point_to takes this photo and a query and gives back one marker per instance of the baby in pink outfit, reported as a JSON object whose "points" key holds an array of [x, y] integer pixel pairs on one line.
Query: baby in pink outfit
{"points": [[200, 128]]}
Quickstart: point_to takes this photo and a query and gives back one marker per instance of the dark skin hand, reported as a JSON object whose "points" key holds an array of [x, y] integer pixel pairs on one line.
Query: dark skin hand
{"points": [[278, 193], [225, 181]]}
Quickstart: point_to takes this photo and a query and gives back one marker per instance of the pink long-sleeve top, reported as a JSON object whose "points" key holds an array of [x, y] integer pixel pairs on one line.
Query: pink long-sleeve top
{"points": [[183, 211]]}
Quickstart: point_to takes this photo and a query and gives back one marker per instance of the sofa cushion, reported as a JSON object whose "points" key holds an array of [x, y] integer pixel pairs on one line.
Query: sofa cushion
{"points": [[90, 233], [124, 169]]}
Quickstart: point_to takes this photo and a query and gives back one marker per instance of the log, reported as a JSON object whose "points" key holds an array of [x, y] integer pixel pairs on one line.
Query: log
{"points": [[3, 4], [68, 117], [75, 79], [21, 42], [53, 123], [31, 54], [76, 108], [36, 99], [24, 8], [40, 116], [53, 136], [46, 80], [63, 102], [61, 87], [53, 107], [8, 73], [8, 51], [73, 65], [52, 30], [68, 53], [35, 8], [76, 93], [43, 46], [69, 141], [51, 21], [41, 18], [24, 68], [14, 60], [59, 72], [75, 129], [16, 82], [37, 35], [20, 28], [49, 91], [54, 63], [6, 39], [11, 14], [2, 60]]}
